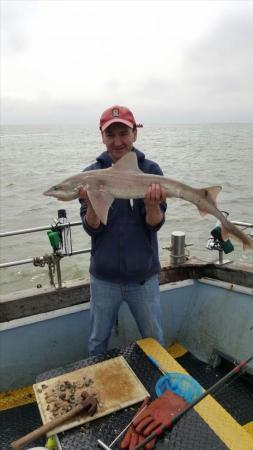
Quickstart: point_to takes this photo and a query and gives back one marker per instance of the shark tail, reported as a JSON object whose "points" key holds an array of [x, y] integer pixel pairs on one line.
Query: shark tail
{"points": [[229, 229]]}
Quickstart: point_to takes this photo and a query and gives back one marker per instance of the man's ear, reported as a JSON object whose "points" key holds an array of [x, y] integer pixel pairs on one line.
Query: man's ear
{"points": [[135, 134], [102, 137]]}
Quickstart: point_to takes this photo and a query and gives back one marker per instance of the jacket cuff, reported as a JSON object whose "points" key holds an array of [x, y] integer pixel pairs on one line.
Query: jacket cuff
{"points": [[156, 227], [89, 230]]}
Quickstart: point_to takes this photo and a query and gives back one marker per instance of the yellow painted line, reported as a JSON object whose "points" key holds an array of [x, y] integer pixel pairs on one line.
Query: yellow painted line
{"points": [[249, 428], [19, 397], [218, 419], [176, 350]]}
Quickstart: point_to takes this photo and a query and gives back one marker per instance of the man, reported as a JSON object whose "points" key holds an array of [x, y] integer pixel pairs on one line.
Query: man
{"points": [[124, 262]]}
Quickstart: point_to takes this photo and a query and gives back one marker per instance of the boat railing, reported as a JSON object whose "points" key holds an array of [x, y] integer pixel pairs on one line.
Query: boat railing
{"points": [[60, 238], [64, 248]]}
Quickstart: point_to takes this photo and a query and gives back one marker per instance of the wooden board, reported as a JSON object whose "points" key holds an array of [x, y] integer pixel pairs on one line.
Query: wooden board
{"points": [[113, 382]]}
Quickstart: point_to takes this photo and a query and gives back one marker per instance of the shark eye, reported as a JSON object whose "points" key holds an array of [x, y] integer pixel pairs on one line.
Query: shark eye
{"points": [[55, 188]]}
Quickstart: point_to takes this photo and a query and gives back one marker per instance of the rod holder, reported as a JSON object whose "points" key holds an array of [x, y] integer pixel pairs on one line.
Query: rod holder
{"points": [[177, 255]]}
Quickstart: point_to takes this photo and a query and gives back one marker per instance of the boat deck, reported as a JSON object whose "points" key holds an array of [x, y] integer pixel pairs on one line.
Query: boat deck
{"points": [[224, 421]]}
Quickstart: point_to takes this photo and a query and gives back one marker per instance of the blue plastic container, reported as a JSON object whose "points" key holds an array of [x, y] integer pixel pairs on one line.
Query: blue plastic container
{"points": [[183, 385]]}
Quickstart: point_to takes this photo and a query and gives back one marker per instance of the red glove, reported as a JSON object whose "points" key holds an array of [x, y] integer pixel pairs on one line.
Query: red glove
{"points": [[159, 412], [132, 437]]}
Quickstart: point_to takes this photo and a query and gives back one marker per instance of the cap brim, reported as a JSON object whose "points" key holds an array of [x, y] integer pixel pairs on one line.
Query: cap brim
{"points": [[117, 120]]}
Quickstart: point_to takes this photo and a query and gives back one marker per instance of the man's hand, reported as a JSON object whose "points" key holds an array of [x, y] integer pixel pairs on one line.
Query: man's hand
{"points": [[84, 195], [91, 218], [154, 196]]}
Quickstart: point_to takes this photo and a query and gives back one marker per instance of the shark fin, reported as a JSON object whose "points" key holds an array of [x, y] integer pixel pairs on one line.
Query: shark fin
{"points": [[202, 212], [209, 193], [101, 201], [128, 162], [213, 192]]}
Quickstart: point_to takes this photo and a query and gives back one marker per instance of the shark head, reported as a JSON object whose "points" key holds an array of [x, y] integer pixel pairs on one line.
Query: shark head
{"points": [[64, 191]]}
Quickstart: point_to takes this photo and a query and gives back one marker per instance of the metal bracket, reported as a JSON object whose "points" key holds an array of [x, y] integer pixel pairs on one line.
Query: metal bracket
{"points": [[53, 262]]}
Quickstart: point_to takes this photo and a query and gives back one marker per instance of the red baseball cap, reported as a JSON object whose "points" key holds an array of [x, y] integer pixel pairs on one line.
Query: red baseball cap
{"points": [[120, 114]]}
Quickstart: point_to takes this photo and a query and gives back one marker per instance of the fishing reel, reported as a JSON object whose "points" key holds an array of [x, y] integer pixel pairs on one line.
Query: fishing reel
{"points": [[60, 234], [216, 242]]}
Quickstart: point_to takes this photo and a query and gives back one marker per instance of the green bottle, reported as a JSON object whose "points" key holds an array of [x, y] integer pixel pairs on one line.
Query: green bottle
{"points": [[54, 238]]}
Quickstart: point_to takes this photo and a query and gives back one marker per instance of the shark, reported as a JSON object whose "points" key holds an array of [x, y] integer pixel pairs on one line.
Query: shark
{"points": [[124, 180]]}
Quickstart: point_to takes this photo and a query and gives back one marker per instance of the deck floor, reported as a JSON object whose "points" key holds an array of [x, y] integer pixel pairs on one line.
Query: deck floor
{"points": [[191, 431], [237, 394]]}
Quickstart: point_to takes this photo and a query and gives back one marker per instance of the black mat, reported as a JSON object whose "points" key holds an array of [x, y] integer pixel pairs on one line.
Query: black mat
{"points": [[236, 396], [16, 422], [190, 432]]}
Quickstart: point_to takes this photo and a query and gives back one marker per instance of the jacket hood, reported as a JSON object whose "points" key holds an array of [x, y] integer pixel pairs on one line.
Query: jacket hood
{"points": [[105, 159]]}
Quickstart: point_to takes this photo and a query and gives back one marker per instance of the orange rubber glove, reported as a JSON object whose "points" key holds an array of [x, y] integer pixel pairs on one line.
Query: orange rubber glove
{"points": [[132, 437], [159, 412]]}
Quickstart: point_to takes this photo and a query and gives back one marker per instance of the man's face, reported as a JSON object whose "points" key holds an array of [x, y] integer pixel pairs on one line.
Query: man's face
{"points": [[118, 139]]}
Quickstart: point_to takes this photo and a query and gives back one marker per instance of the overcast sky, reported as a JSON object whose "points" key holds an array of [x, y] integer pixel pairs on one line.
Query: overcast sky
{"points": [[170, 62]]}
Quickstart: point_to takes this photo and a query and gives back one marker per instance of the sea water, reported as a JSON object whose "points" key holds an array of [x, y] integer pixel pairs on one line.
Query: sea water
{"points": [[35, 157]]}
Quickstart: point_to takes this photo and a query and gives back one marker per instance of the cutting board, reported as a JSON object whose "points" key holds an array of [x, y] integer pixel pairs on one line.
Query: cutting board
{"points": [[113, 382]]}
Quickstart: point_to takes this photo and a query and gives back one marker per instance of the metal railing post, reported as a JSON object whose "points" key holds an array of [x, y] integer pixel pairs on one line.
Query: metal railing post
{"points": [[58, 272]]}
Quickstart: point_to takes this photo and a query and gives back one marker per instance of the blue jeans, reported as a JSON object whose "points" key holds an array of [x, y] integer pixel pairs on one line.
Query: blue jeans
{"points": [[105, 300]]}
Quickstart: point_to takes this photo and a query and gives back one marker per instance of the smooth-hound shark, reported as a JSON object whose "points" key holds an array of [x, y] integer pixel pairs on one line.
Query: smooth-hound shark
{"points": [[125, 180]]}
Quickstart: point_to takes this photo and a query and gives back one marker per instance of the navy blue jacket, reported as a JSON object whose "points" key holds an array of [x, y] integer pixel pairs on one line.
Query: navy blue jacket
{"points": [[126, 249]]}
